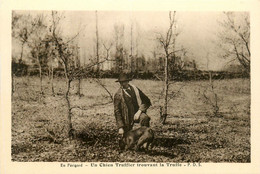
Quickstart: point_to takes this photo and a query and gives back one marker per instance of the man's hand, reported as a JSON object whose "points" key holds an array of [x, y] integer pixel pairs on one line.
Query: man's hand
{"points": [[137, 115], [121, 131]]}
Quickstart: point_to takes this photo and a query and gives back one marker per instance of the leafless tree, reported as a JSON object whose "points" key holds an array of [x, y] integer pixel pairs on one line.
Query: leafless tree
{"points": [[212, 101], [22, 28], [107, 48], [210, 95], [98, 56], [52, 77], [15, 19], [97, 44], [37, 44], [234, 39], [65, 52], [119, 44], [78, 66], [131, 47], [68, 55], [137, 38], [167, 42], [52, 57]]}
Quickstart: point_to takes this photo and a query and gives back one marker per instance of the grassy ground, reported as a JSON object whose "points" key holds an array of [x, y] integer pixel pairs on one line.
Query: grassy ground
{"points": [[191, 132]]}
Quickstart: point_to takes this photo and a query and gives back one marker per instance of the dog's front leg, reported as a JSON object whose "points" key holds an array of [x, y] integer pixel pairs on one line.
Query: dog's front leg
{"points": [[141, 141], [129, 143]]}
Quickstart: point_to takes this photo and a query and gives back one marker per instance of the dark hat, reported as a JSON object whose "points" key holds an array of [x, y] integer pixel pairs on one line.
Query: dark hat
{"points": [[123, 77]]}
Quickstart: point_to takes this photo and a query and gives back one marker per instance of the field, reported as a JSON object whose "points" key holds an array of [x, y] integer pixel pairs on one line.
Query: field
{"points": [[191, 133]]}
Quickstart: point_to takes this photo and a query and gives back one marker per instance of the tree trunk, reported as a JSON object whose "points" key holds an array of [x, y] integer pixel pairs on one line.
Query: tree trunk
{"points": [[97, 45], [131, 53], [40, 73], [52, 87], [21, 56], [166, 42], [40, 69], [49, 74], [13, 86], [166, 86], [79, 85], [68, 107], [215, 102], [68, 83]]}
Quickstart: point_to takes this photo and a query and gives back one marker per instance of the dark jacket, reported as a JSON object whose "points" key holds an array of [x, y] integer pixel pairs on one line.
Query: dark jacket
{"points": [[125, 107]]}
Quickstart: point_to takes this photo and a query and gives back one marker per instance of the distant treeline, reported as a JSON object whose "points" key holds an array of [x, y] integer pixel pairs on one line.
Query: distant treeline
{"points": [[21, 69]]}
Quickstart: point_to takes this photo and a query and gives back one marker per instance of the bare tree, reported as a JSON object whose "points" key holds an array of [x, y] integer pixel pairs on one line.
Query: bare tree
{"points": [[52, 77], [78, 67], [131, 47], [107, 48], [97, 45], [65, 52], [52, 54], [211, 96], [137, 38], [106, 57], [168, 44], [119, 44], [235, 38], [22, 28], [37, 44], [15, 19], [212, 101]]}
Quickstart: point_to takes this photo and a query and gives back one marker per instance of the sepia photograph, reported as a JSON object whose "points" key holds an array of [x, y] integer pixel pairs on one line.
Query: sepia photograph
{"points": [[130, 86]]}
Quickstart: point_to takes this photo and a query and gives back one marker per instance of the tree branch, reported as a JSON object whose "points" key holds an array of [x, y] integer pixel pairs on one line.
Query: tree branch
{"points": [[104, 87]]}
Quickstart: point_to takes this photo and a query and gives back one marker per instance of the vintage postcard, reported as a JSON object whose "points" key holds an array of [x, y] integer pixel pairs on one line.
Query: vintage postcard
{"points": [[127, 86]]}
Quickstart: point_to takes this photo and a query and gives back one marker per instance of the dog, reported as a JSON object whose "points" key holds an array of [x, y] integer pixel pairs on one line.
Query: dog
{"points": [[140, 137]]}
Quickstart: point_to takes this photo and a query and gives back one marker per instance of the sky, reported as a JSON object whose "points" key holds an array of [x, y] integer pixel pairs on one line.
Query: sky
{"points": [[197, 31]]}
